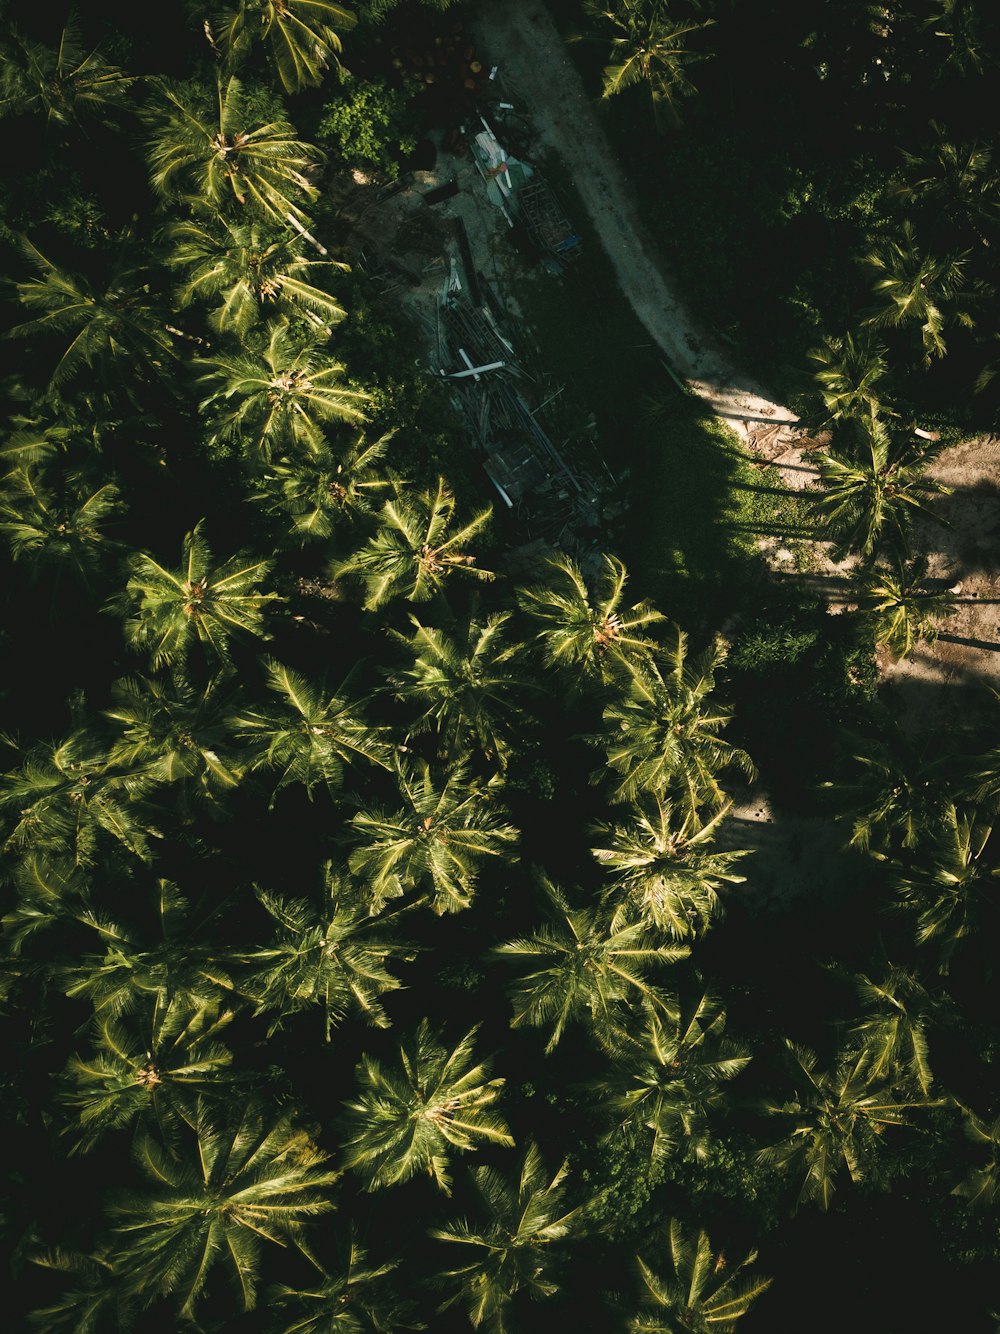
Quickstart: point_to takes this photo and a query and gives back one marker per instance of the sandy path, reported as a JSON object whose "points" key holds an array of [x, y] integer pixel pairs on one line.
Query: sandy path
{"points": [[520, 37]]}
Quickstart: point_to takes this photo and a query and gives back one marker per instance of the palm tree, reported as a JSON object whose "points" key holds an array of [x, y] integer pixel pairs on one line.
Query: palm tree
{"points": [[836, 1118], [408, 1118], [951, 882], [700, 1292], [899, 789], [464, 682], [308, 736], [211, 149], [66, 800], [278, 391], [107, 323], [436, 841], [872, 491], [66, 84], [982, 1185], [301, 36], [202, 602], [415, 548], [669, 1076], [95, 1301], [662, 730], [315, 491], [587, 629], [247, 267], [664, 875], [901, 611], [141, 964], [956, 181], [893, 1036], [54, 519], [849, 372], [511, 1252], [355, 1299], [259, 1178], [148, 1069], [649, 47], [912, 286], [332, 954], [955, 23], [584, 969], [50, 889], [173, 732]]}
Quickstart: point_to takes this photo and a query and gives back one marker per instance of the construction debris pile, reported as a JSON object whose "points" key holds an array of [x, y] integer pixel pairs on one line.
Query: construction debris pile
{"points": [[432, 238]]}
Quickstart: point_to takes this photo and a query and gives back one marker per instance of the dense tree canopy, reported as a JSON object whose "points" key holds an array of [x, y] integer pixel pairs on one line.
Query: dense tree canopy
{"points": [[420, 914]]}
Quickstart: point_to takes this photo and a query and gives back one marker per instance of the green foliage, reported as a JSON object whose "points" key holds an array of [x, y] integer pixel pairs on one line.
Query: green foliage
{"points": [[368, 125], [700, 1291], [226, 1190], [201, 603], [411, 1116], [198, 943], [302, 36], [511, 1252]]}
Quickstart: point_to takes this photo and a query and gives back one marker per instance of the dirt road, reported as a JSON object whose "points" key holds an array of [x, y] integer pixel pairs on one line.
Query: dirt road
{"points": [[520, 37]]}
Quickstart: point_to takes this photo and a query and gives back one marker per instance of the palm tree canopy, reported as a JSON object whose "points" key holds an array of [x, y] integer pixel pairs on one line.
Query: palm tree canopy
{"points": [[148, 1065], [436, 841], [247, 267], [587, 627], [836, 1119], [94, 1301], [849, 372], [649, 46], [143, 963], [416, 547], [358, 1297], [410, 1116], [307, 735], [899, 789], [67, 799], [664, 873], [509, 1252], [662, 728], [700, 1293], [314, 491], [893, 1035], [107, 323], [209, 147], [586, 969], [981, 1186], [54, 518], [259, 1178], [174, 732], [203, 602], [280, 391], [902, 611], [958, 179], [871, 492], [951, 881], [669, 1075], [913, 286], [332, 954], [302, 36], [66, 84], [464, 680]]}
